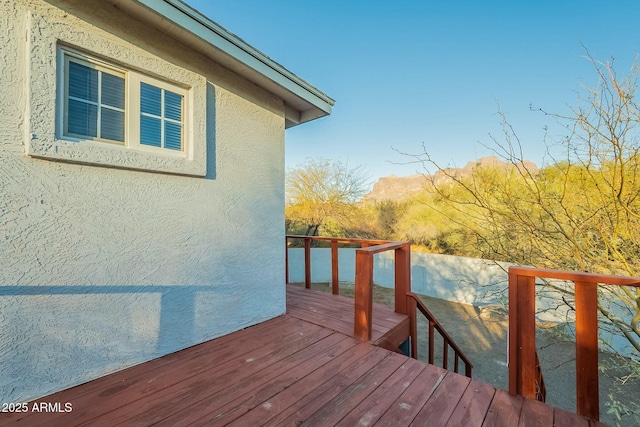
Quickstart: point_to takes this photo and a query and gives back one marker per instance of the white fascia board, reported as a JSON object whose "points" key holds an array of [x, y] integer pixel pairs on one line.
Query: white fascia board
{"points": [[312, 103]]}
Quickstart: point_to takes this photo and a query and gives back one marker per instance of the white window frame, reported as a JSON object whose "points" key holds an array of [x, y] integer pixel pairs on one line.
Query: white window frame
{"points": [[133, 86], [63, 111], [43, 133], [133, 80]]}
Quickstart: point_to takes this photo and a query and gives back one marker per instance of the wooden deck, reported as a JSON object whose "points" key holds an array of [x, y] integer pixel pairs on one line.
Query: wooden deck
{"points": [[302, 368]]}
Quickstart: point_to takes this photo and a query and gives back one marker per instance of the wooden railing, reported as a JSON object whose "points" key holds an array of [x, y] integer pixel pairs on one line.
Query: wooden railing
{"points": [[405, 302], [364, 284], [363, 316], [414, 303], [363, 243], [524, 375]]}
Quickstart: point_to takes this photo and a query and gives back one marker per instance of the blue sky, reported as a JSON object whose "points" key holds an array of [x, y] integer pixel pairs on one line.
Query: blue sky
{"points": [[404, 73]]}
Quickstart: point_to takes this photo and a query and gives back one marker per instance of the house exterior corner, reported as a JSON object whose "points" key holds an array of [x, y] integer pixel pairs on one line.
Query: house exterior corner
{"points": [[115, 253]]}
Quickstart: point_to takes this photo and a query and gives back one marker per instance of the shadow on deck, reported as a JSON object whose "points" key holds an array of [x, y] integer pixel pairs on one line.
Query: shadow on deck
{"points": [[302, 368]]}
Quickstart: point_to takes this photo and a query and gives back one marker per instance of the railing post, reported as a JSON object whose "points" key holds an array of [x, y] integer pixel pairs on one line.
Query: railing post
{"points": [[307, 262], [512, 336], [587, 398], [363, 296], [286, 260], [413, 324], [402, 277], [431, 341], [522, 336], [334, 268]]}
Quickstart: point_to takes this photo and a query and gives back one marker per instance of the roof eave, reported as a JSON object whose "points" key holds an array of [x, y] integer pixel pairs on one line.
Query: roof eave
{"points": [[303, 102]]}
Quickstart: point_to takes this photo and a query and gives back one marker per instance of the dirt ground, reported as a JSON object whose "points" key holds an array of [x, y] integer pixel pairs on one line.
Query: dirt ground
{"points": [[481, 332]]}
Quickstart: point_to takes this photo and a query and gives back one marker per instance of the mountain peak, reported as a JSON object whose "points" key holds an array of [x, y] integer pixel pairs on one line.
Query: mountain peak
{"points": [[397, 188]]}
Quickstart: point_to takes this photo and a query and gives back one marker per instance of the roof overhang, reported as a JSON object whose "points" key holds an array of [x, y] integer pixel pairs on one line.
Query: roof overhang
{"points": [[303, 102]]}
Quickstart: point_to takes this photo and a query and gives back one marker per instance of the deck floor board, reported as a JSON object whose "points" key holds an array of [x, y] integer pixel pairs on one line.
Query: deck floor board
{"points": [[407, 404], [377, 404], [302, 368], [504, 410]]}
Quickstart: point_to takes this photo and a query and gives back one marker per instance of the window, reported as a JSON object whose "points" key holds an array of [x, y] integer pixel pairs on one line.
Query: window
{"points": [[108, 104], [160, 117], [94, 102], [111, 103]]}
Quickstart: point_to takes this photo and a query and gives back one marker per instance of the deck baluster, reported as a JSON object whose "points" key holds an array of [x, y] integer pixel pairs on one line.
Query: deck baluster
{"points": [[525, 376]]}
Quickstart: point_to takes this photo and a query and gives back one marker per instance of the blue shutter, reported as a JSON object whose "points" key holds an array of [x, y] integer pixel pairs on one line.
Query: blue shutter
{"points": [[112, 124], [82, 118], [112, 91], [150, 99], [173, 106], [150, 131], [83, 82], [172, 136], [112, 121], [86, 98], [159, 111]]}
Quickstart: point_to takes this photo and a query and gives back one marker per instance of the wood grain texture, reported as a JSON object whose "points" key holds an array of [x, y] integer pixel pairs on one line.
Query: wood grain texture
{"points": [[290, 372]]}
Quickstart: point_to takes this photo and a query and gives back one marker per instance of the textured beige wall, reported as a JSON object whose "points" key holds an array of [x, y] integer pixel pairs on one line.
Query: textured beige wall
{"points": [[103, 268]]}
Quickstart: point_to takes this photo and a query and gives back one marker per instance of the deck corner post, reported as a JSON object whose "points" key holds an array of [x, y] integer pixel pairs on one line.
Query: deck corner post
{"points": [[402, 277], [586, 304], [522, 335], [363, 312], [335, 275], [512, 343]]}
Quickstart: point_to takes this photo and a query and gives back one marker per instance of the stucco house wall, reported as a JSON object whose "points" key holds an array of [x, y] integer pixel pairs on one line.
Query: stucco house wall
{"points": [[103, 266]]}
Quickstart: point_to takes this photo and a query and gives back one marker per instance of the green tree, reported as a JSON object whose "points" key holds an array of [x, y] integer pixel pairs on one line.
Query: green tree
{"points": [[581, 213], [322, 190]]}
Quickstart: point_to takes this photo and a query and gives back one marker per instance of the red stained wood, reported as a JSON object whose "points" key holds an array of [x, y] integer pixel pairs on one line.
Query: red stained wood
{"points": [[114, 391], [172, 390], [440, 406], [473, 405], [587, 398], [362, 321], [320, 394], [222, 407], [337, 312], [398, 334], [535, 414], [375, 405], [307, 263], [338, 407], [407, 405], [575, 276], [566, 418], [413, 326], [522, 336], [402, 283], [335, 275], [504, 410], [287, 371], [523, 379], [276, 405]]}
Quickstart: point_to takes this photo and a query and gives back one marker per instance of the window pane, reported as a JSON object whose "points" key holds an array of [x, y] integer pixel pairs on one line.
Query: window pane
{"points": [[112, 125], [150, 99], [172, 136], [82, 118], [112, 90], [173, 106], [83, 82], [150, 131]]}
